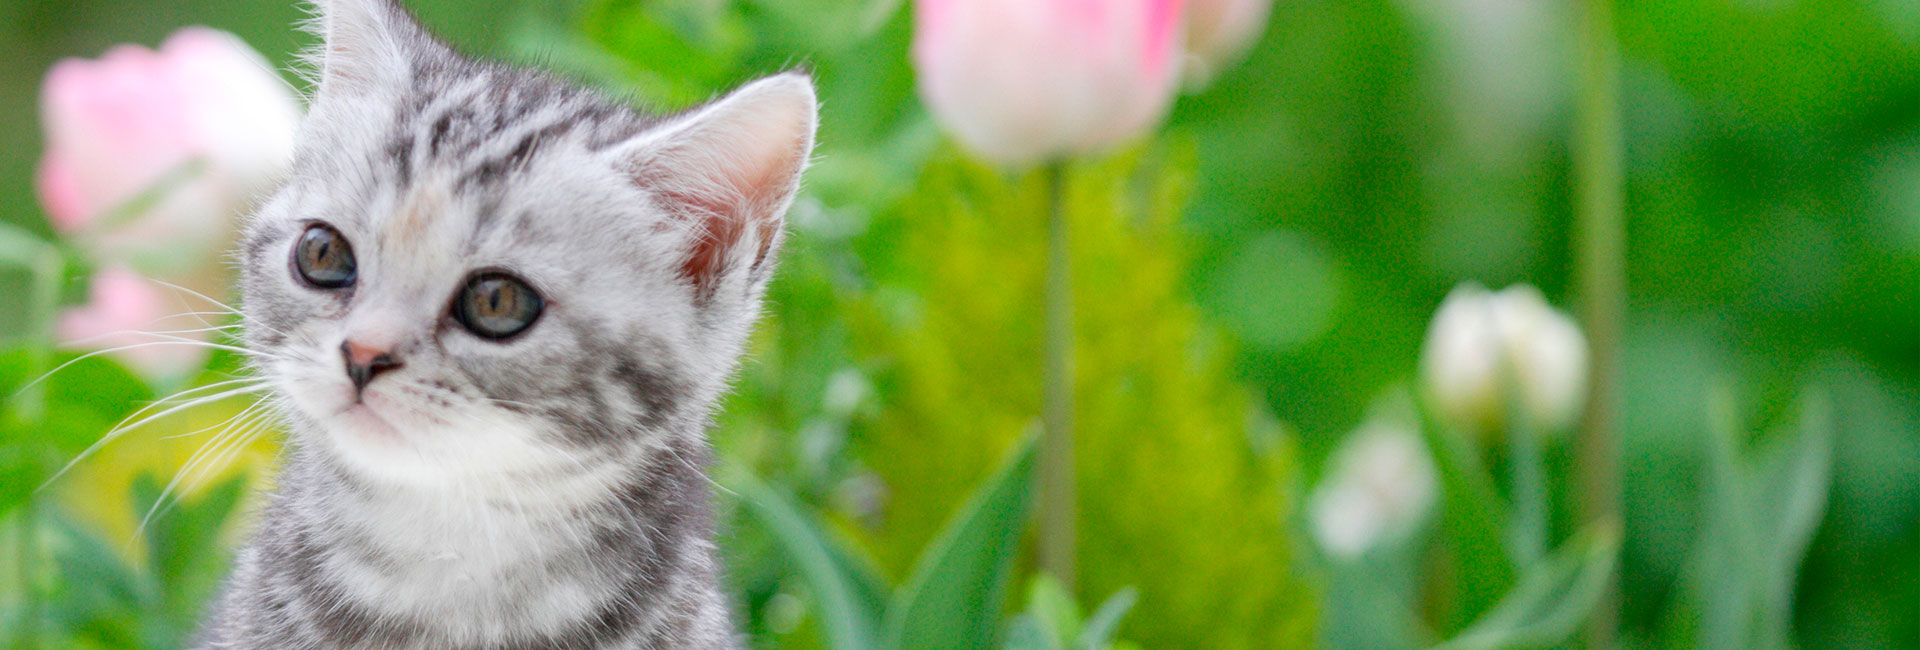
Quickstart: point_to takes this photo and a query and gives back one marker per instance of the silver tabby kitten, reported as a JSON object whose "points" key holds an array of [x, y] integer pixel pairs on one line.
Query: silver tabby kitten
{"points": [[497, 310]]}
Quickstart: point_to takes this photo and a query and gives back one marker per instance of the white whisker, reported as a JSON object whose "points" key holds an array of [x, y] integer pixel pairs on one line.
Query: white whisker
{"points": [[166, 340], [122, 429], [202, 296], [85, 341], [188, 466], [215, 302]]}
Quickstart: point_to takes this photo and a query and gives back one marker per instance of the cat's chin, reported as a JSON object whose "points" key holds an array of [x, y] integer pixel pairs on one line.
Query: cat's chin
{"points": [[371, 445]]}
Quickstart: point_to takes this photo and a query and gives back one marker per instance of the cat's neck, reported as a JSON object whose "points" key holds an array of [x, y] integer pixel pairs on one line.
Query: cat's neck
{"points": [[564, 564]]}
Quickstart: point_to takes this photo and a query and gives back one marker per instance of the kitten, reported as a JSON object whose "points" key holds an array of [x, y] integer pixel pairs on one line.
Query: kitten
{"points": [[496, 310]]}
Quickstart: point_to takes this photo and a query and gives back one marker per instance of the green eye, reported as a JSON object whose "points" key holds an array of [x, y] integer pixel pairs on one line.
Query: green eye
{"points": [[323, 258], [496, 305]]}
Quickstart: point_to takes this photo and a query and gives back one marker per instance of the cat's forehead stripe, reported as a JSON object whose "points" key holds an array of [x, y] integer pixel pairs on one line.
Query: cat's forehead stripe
{"points": [[410, 220]]}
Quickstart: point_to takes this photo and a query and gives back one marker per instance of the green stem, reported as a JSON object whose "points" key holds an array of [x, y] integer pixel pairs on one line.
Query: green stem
{"points": [[1528, 527], [26, 541], [1057, 512], [1601, 274]]}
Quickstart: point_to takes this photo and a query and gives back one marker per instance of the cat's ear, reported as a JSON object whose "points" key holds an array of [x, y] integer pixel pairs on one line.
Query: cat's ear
{"points": [[729, 170], [365, 45]]}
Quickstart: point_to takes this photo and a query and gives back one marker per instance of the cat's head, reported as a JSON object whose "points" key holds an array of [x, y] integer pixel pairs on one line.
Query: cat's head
{"points": [[478, 269]]}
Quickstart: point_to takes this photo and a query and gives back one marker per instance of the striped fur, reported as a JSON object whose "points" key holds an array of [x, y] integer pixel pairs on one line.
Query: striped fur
{"points": [[545, 491]]}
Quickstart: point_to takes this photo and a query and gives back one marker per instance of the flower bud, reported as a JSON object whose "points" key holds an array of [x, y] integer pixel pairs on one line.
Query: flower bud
{"points": [[1379, 487], [1489, 353], [1026, 81], [205, 120]]}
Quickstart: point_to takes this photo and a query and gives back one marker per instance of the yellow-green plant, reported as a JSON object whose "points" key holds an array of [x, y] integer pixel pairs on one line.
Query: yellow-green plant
{"points": [[1184, 487]]}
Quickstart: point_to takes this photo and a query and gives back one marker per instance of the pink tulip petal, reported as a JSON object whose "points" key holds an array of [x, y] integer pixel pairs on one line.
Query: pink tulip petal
{"points": [[60, 194], [1021, 81], [118, 125]]}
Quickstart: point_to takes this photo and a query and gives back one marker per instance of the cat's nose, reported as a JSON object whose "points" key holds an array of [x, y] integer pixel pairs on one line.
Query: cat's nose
{"points": [[363, 363]]}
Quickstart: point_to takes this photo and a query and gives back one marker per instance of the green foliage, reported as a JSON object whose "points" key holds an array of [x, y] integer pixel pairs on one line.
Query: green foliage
{"points": [[88, 595], [956, 590], [1762, 513], [1315, 204], [1175, 462], [1474, 521], [49, 423], [1551, 600], [1053, 619], [851, 600]]}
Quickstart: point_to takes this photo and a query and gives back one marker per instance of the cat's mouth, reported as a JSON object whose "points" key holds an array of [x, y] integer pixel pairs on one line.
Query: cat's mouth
{"points": [[360, 418]]}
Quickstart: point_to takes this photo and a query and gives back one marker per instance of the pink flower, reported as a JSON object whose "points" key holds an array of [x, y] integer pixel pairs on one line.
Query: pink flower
{"points": [[1219, 32], [1024, 81], [120, 306], [121, 124]]}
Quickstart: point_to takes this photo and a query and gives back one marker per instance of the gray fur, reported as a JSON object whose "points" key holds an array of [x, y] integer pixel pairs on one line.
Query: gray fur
{"points": [[545, 491]]}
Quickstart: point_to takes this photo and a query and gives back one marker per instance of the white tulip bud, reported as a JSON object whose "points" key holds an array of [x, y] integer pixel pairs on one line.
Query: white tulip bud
{"points": [[1487, 353], [1379, 487]]}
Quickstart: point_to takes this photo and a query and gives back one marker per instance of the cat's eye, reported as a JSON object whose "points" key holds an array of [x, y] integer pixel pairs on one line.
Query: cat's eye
{"points": [[323, 258], [496, 305]]}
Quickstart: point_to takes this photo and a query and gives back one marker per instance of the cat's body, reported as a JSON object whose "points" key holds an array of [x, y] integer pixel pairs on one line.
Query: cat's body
{"points": [[333, 567], [496, 311]]}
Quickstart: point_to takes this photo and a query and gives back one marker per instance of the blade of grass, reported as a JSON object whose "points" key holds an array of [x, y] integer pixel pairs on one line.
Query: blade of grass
{"points": [[846, 616], [1789, 489], [1105, 621], [1555, 596], [1724, 570], [959, 584]]}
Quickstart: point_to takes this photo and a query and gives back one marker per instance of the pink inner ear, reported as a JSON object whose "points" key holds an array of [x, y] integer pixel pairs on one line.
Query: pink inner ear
{"points": [[723, 215], [719, 230]]}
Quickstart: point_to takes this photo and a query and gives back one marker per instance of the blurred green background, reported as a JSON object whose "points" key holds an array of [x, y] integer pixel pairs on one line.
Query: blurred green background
{"points": [[1254, 279]]}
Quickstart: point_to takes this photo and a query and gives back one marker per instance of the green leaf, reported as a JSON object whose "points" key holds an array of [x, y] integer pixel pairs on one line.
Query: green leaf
{"points": [[1551, 600], [1788, 491], [877, 15], [99, 596], [70, 409], [21, 248], [86, 399], [1474, 522], [849, 604], [1105, 621], [1028, 633], [1723, 579], [184, 552], [1050, 603], [959, 583]]}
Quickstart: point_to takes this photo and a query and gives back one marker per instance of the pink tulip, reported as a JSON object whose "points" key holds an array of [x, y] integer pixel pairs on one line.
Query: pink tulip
{"points": [[119, 125], [1025, 81], [121, 305], [1219, 32]]}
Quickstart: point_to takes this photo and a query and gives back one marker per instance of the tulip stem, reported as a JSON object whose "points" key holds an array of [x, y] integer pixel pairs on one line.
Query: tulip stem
{"points": [[1057, 511], [1600, 271]]}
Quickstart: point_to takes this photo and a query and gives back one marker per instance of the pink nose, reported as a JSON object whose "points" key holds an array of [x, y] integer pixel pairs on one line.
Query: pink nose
{"points": [[363, 363]]}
